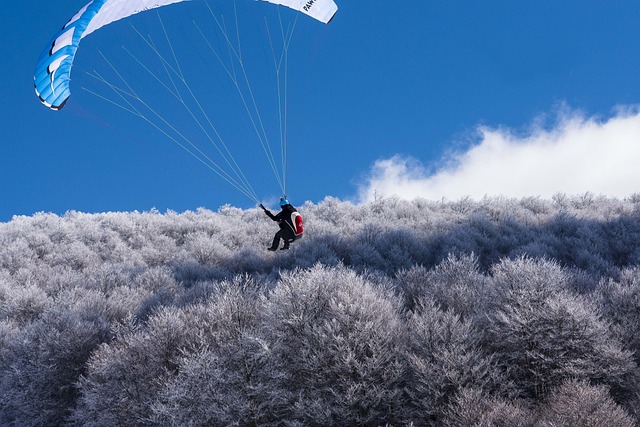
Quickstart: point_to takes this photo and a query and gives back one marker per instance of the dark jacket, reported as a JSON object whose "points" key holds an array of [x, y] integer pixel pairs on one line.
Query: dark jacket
{"points": [[283, 217]]}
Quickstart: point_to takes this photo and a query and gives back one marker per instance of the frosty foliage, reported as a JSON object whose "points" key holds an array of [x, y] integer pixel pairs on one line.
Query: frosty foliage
{"points": [[464, 313], [473, 407], [542, 335], [444, 357], [337, 343], [578, 404]]}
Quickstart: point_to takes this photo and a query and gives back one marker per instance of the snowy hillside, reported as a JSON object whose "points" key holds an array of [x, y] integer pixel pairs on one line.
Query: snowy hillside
{"points": [[518, 312]]}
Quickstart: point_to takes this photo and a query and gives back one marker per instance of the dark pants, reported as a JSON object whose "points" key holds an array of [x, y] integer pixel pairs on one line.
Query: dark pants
{"points": [[285, 234]]}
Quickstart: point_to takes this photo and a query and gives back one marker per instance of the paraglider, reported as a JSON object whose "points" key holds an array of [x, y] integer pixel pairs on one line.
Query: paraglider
{"points": [[290, 222], [53, 75]]}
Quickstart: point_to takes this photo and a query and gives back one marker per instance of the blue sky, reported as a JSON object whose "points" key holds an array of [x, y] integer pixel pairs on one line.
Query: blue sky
{"points": [[415, 98]]}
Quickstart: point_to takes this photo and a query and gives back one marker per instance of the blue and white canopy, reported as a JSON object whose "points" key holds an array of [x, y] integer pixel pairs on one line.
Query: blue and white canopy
{"points": [[53, 70]]}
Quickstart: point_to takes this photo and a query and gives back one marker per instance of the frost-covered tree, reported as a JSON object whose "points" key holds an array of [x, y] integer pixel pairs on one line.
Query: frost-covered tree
{"points": [[444, 357], [455, 284], [123, 378], [338, 343], [204, 393], [619, 302], [578, 404], [541, 335], [472, 408], [22, 304], [42, 364], [227, 379]]}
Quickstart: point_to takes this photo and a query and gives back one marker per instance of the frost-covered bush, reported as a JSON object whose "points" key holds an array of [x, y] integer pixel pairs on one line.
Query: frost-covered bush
{"points": [[22, 304], [337, 342], [578, 404], [619, 302], [542, 336], [123, 378], [147, 373], [327, 249], [444, 357], [203, 394], [455, 284], [42, 364], [228, 378], [472, 407]]}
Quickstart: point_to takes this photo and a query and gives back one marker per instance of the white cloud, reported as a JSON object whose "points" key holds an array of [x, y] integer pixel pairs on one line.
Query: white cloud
{"points": [[578, 155]]}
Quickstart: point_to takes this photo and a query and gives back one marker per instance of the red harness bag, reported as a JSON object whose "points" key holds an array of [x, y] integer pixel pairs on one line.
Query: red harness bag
{"points": [[298, 223]]}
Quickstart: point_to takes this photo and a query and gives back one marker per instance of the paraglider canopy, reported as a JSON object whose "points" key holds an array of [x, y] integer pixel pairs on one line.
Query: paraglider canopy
{"points": [[53, 70]]}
